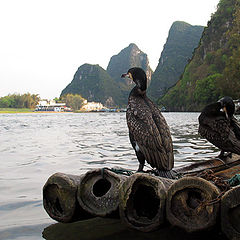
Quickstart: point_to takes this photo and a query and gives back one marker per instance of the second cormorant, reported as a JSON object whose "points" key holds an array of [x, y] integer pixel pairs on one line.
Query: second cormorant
{"points": [[148, 131], [218, 125]]}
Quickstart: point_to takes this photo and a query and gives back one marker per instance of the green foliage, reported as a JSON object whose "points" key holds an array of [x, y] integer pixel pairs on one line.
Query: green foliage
{"points": [[183, 38], [15, 110], [26, 100], [206, 91], [73, 101], [229, 83]]}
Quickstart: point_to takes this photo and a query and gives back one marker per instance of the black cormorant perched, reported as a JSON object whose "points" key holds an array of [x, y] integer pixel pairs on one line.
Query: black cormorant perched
{"points": [[148, 131], [218, 125]]}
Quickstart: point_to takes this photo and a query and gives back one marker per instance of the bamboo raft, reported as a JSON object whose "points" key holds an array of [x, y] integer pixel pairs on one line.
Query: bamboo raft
{"points": [[201, 198]]}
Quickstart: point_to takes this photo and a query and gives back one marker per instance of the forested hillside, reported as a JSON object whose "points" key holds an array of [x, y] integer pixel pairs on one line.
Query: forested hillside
{"points": [[214, 70], [94, 84], [182, 39]]}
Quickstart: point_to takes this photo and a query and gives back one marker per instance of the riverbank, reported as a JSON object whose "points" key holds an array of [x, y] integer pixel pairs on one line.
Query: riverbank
{"points": [[27, 110], [15, 110]]}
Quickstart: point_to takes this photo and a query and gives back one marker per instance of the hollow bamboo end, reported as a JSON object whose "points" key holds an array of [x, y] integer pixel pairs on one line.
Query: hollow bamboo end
{"points": [[59, 197], [192, 204], [142, 202], [98, 192]]}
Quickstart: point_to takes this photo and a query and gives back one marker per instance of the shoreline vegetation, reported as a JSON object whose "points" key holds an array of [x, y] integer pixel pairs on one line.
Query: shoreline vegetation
{"points": [[16, 110]]}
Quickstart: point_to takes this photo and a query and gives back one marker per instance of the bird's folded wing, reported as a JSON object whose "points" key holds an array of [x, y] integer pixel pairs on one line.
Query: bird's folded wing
{"points": [[151, 143], [216, 129], [236, 127]]}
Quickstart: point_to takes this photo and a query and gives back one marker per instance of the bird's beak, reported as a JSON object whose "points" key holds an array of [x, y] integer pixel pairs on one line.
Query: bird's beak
{"points": [[127, 75], [225, 110]]}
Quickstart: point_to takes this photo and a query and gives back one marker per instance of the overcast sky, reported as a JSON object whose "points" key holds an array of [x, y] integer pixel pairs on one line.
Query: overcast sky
{"points": [[43, 42]]}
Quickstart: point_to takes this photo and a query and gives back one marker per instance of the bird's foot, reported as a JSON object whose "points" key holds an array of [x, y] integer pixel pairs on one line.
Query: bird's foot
{"points": [[223, 156], [153, 171], [229, 155]]}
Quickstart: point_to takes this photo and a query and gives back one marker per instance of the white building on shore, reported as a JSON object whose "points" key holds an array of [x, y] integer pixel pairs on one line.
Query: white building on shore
{"points": [[92, 106], [51, 106]]}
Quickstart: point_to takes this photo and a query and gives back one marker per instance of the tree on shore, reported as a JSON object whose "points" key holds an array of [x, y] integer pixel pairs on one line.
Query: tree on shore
{"points": [[74, 101], [25, 100]]}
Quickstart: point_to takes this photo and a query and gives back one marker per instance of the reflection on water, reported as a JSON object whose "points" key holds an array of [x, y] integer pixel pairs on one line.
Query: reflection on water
{"points": [[109, 229], [34, 146]]}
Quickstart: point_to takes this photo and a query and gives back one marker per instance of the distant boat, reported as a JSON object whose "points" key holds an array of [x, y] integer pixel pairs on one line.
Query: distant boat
{"points": [[51, 106]]}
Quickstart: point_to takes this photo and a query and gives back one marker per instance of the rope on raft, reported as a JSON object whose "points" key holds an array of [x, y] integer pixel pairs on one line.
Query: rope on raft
{"points": [[224, 186], [219, 182], [234, 181], [117, 171], [127, 172]]}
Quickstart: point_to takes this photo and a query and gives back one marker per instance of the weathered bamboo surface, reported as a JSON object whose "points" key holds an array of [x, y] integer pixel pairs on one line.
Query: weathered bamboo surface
{"points": [[230, 213], [142, 201], [215, 164], [189, 204], [228, 173], [98, 192], [59, 198]]}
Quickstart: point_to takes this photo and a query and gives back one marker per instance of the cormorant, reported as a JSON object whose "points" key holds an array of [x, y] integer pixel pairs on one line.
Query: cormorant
{"points": [[148, 131], [218, 125]]}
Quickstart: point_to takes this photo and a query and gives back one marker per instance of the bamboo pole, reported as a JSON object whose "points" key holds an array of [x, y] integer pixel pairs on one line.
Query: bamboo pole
{"points": [[59, 198], [214, 164], [228, 173]]}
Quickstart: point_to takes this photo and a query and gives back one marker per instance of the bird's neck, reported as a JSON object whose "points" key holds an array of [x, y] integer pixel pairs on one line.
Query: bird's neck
{"points": [[231, 110], [136, 91], [143, 86]]}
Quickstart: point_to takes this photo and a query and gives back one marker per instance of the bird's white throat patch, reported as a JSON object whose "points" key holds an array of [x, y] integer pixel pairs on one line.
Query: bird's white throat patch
{"points": [[137, 147]]}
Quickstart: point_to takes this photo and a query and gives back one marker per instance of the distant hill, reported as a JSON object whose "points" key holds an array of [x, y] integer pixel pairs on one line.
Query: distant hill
{"points": [[129, 57], [214, 69], [182, 39], [94, 83]]}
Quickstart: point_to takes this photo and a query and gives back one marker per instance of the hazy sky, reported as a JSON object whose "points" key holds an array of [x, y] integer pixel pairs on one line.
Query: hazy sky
{"points": [[43, 42]]}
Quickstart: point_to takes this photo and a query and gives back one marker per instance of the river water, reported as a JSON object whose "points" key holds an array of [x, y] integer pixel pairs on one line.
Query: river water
{"points": [[34, 146]]}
